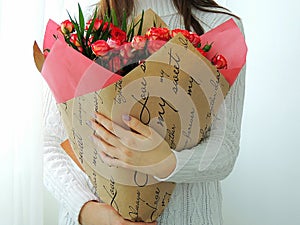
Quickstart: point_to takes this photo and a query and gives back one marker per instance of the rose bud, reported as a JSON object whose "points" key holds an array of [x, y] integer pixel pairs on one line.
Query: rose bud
{"points": [[118, 35], [138, 42], [79, 48], [66, 27], [158, 33], [155, 45], [219, 61], [194, 39], [74, 39], [100, 48], [97, 24], [90, 41]]}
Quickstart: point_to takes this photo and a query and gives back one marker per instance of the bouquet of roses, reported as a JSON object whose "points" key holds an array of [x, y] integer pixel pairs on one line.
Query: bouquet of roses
{"points": [[172, 80], [120, 50]]}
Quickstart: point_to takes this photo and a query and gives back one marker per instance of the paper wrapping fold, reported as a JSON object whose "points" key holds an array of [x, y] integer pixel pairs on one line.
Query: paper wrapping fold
{"points": [[176, 91]]}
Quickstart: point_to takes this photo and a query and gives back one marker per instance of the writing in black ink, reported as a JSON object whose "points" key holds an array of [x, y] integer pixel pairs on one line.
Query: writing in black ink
{"points": [[171, 136], [162, 111], [191, 84], [119, 94], [163, 74], [174, 60], [139, 176], [145, 112], [212, 99], [187, 133], [80, 144], [112, 193]]}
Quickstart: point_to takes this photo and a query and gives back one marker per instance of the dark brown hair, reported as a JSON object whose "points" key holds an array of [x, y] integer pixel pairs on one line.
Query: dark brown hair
{"points": [[184, 8]]}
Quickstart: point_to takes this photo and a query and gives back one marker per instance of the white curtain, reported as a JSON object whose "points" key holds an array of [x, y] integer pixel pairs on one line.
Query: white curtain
{"points": [[21, 183], [21, 23]]}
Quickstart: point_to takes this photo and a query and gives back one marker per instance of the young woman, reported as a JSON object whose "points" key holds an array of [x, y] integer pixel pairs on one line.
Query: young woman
{"points": [[197, 196]]}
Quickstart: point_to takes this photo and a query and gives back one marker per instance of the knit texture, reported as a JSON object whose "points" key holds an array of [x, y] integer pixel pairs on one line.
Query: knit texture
{"points": [[197, 198]]}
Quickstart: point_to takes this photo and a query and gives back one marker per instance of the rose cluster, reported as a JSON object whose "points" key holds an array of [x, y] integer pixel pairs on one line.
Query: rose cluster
{"points": [[120, 51]]}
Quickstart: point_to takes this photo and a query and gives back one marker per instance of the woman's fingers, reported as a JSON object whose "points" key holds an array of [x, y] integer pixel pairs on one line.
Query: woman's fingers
{"points": [[110, 125], [137, 125], [105, 134]]}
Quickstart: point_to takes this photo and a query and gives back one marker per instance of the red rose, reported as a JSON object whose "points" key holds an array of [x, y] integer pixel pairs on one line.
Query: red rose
{"points": [[67, 27], [100, 48], [194, 39], [155, 45], [176, 31], [158, 33], [219, 61], [138, 42], [74, 40], [118, 35]]}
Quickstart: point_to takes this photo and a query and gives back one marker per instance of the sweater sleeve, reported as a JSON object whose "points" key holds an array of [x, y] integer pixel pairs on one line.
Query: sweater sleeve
{"points": [[214, 158], [62, 177]]}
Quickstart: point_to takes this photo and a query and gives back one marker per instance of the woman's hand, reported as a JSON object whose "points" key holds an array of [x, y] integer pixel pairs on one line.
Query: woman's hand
{"points": [[139, 148], [95, 213]]}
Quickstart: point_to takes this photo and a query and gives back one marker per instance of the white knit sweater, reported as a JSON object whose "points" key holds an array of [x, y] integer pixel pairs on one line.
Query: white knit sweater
{"points": [[197, 198]]}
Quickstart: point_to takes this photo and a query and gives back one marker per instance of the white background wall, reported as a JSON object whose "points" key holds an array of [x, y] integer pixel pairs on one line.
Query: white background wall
{"points": [[263, 188]]}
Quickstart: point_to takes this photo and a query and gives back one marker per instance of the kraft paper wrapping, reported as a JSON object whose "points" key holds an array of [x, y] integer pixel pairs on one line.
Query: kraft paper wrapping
{"points": [[176, 91]]}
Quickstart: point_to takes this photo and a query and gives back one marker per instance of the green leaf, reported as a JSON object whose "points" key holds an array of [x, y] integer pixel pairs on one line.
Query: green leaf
{"points": [[124, 22], [81, 20], [141, 21], [114, 19], [130, 32]]}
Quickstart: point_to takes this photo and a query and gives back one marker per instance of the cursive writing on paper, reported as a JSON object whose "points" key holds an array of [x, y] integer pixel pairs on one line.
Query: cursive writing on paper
{"points": [[187, 133], [212, 99], [119, 94], [162, 111], [112, 192]]}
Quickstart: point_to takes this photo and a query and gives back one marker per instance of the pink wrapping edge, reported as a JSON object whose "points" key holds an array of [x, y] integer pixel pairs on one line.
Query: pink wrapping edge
{"points": [[228, 41], [68, 73], [51, 30]]}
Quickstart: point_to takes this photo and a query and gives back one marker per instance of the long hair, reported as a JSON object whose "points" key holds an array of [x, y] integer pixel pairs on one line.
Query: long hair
{"points": [[184, 8]]}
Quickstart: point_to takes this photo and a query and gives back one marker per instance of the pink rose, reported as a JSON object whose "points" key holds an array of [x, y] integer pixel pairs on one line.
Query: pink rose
{"points": [[126, 50], [138, 42], [155, 45], [113, 43]]}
